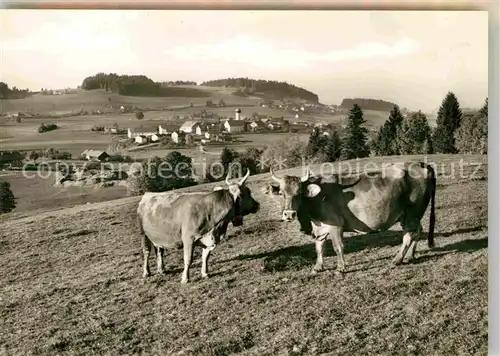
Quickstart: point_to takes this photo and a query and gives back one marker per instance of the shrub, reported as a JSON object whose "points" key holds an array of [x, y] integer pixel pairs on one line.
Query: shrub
{"points": [[119, 158], [414, 135], [7, 200], [324, 145], [286, 153], [250, 160], [45, 128], [159, 175], [472, 135]]}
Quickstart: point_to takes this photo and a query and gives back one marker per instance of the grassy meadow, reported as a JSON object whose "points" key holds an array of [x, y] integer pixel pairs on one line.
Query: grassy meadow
{"points": [[71, 283]]}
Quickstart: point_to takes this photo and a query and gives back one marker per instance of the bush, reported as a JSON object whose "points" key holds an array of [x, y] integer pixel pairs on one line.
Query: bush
{"points": [[324, 145], [286, 153], [251, 160], [472, 135], [159, 175], [120, 158], [7, 200], [139, 115], [45, 128], [97, 128], [52, 153], [414, 135], [34, 155]]}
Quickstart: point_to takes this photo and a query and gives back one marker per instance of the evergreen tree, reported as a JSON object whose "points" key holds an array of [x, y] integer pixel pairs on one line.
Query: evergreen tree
{"points": [[414, 135], [7, 200], [448, 121], [384, 143], [314, 143], [472, 135], [355, 136]]}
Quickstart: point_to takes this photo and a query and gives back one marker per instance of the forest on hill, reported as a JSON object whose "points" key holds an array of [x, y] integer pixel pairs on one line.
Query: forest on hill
{"points": [[137, 85], [14, 93], [368, 104], [251, 86]]}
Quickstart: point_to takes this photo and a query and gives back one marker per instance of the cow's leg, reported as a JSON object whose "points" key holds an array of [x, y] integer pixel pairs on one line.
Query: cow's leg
{"points": [[204, 261], [188, 257], [336, 235], [146, 248], [320, 244], [410, 255], [411, 234], [160, 269]]}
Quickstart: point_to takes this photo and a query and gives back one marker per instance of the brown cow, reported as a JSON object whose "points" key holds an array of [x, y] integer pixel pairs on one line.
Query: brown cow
{"points": [[170, 220]]}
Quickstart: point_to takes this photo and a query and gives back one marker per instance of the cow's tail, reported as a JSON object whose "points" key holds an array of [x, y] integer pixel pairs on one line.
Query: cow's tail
{"points": [[432, 219]]}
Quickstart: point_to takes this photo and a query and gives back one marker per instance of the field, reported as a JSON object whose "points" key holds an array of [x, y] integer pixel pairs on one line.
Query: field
{"points": [[71, 284], [74, 134]]}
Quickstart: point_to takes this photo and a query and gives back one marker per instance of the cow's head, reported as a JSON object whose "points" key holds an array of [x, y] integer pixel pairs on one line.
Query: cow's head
{"points": [[293, 190], [244, 202]]}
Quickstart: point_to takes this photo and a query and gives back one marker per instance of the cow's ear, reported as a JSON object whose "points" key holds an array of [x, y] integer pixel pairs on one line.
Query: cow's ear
{"points": [[271, 189], [313, 190]]}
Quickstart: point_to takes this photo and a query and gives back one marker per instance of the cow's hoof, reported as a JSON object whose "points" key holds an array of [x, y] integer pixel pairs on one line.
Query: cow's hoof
{"points": [[316, 270], [397, 261], [204, 275], [184, 281], [146, 274]]}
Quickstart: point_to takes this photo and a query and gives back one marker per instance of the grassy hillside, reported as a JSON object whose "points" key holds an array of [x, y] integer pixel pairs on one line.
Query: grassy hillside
{"points": [[99, 99], [71, 284]]}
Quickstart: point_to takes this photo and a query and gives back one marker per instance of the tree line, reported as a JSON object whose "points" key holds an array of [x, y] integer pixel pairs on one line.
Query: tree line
{"points": [[251, 86], [14, 93], [136, 85], [367, 104], [399, 135]]}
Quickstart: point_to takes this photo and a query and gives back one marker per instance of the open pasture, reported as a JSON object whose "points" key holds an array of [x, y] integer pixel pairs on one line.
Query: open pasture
{"points": [[71, 284]]}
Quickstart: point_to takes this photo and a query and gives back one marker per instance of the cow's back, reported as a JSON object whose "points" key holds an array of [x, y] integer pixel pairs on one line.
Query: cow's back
{"points": [[162, 216], [376, 201]]}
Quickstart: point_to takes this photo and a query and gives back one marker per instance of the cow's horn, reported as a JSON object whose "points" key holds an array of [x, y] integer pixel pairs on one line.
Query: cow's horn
{"points": [[244, 179], [306, 175], [227, 178], [273, 176]]}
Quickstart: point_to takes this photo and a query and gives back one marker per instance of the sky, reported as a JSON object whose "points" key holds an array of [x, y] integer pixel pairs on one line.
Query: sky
{"points": [[412, 58]]}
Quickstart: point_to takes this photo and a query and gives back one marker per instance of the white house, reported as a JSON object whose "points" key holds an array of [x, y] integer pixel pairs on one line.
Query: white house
{"points": [[178, 137], [162, 130], [140, 139], [256, 124], [155, 137], [131, 133], [233, 126], [190, 126]]}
